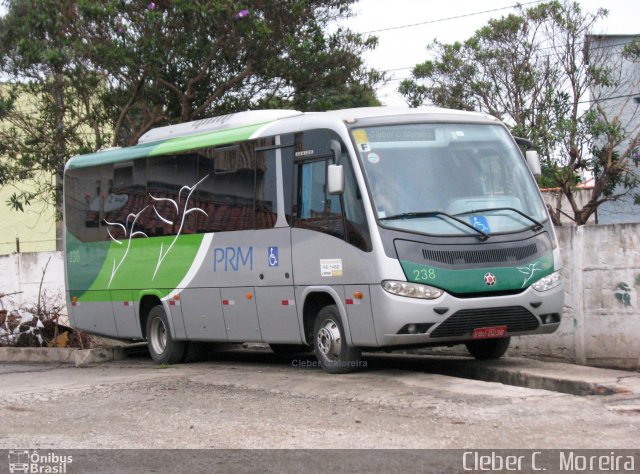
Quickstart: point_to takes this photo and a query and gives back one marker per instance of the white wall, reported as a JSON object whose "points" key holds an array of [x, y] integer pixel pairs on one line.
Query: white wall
{"points": [[21, 273]]}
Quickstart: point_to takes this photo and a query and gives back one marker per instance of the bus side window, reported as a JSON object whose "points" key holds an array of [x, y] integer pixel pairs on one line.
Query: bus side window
{"points": [[226, 190], [125, 195], [266, 212], [166, 199], [355, 216], [317, 210], [83, 204]]}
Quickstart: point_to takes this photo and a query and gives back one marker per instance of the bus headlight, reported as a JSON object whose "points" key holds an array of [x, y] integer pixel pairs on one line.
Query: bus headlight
{"points": [[412, 290], [548, 282]]}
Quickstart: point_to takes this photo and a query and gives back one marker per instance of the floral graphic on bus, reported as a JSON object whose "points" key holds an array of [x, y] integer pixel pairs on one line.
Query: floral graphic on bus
{"points": [[128, 229], [529, 270], [182, 211]]}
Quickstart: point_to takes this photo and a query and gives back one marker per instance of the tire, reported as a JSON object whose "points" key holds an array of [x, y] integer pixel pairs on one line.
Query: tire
{"points": [[162, 347], [289, 349], [487, 349], [334, 354]]}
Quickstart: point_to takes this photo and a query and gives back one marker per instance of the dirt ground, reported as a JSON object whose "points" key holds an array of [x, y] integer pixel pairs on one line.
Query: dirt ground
{"points": [[259, 400]]}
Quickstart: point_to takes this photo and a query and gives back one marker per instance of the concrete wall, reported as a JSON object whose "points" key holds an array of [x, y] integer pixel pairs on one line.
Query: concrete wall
{"points": [[21, 273], [601, 321]]}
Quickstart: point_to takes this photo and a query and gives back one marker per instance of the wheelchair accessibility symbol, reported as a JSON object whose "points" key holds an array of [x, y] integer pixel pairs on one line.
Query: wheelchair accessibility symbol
{"points": [[480, 223], [273, 256]]}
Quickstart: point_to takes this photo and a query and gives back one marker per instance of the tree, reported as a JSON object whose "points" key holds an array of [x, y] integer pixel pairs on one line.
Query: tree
{"points": [[531, 69], [104, 73]]}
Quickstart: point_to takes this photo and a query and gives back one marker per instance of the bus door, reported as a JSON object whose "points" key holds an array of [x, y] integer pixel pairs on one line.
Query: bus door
{"points": [[275, 298]]}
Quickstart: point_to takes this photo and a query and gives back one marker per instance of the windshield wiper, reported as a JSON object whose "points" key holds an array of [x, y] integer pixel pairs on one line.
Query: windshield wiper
{"points": [[537, 225], [416, 215]]}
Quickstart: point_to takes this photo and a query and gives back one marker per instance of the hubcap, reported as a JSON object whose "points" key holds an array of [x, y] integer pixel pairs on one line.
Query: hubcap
{"points": [[329, 340], [158, 336]]}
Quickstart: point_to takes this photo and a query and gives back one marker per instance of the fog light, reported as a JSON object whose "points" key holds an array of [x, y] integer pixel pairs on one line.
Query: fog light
{"points": [[412, 329], [548, 319]]}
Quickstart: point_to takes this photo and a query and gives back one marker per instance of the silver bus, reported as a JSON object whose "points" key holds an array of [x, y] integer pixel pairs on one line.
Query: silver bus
{"points": [[340, 231]]}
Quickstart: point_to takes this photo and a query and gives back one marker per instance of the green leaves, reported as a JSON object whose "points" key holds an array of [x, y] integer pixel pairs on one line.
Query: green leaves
{"points": [[536, 70], [88, 74]]}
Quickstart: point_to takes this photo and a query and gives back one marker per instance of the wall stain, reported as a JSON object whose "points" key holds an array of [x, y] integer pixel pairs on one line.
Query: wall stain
{"points": [[623, 293]]}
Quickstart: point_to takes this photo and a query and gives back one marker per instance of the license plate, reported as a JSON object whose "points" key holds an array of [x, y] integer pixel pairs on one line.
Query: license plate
{"points": [[488, 333]]}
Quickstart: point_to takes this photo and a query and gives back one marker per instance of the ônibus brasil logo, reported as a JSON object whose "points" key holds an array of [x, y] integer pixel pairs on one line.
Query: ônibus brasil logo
{"points": [[489, 279], [33, 462]]}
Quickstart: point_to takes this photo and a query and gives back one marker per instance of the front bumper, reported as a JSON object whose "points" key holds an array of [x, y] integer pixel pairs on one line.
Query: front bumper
{"points": [[522, 313]]}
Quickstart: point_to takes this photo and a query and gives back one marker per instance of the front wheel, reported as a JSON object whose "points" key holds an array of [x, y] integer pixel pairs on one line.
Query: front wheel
{"points": [[162, 347], [486, 349], [335, 355]]}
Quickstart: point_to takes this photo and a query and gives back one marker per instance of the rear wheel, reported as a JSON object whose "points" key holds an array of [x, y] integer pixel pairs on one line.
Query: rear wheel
{"points": [[162, 347], [485, 349], [335, 355]]}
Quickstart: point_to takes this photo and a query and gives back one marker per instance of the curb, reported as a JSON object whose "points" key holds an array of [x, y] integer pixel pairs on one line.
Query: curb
{"points": [[528, 379], [61, 355], [529, 373]]}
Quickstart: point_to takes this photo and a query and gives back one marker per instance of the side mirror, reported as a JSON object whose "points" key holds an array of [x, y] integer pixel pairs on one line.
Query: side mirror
{"points": [[335, 179], [534, 162]]}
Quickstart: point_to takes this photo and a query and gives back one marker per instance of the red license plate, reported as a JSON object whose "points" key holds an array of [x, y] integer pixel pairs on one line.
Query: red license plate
{"points": [[488, 333]]}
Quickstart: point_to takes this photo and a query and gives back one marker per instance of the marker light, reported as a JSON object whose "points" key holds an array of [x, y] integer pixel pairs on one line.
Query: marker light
{"points": [[548, 282], [412, 290]]}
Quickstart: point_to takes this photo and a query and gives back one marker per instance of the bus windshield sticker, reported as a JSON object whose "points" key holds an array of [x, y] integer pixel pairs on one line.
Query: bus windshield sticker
{"points": [[480, 223], [373, 158], [360, 136], [331, 267], [362, 142]]}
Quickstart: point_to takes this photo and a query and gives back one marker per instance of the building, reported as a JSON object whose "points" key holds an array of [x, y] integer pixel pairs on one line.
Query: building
{"points": [[621, 100]]}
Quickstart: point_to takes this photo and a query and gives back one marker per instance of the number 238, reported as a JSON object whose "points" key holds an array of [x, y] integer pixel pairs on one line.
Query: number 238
{"points": [[424, 274]]}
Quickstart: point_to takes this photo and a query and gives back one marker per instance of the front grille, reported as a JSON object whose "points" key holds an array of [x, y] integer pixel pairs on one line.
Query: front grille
{"points": [[463, 322], [466, 257]]}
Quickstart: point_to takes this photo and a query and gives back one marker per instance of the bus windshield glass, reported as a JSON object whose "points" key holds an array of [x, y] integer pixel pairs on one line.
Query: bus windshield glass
{"points": [[449, 179]]}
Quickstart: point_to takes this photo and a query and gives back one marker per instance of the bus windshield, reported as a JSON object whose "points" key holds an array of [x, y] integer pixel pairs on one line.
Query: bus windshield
{"points": [[449, 179]]}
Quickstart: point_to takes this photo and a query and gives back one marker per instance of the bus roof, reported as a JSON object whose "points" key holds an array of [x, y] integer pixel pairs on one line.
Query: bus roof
{"points": [[240, 126]]}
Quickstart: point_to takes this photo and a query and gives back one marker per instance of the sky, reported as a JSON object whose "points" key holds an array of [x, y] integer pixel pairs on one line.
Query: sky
{"points": [[400, 49]]}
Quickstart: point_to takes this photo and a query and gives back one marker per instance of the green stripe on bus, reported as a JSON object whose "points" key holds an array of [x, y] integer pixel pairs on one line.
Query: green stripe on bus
{"points": [[135, 271], [207, 139], [172, 145]]}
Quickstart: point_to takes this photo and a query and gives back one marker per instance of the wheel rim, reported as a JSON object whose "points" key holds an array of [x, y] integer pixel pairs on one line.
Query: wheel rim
{"points": [[158, 336], [329, 339]]}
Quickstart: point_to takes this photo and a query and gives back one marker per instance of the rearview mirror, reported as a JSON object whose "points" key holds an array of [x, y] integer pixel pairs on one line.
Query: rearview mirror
{"points": [[335, 179], [534, 162]]}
